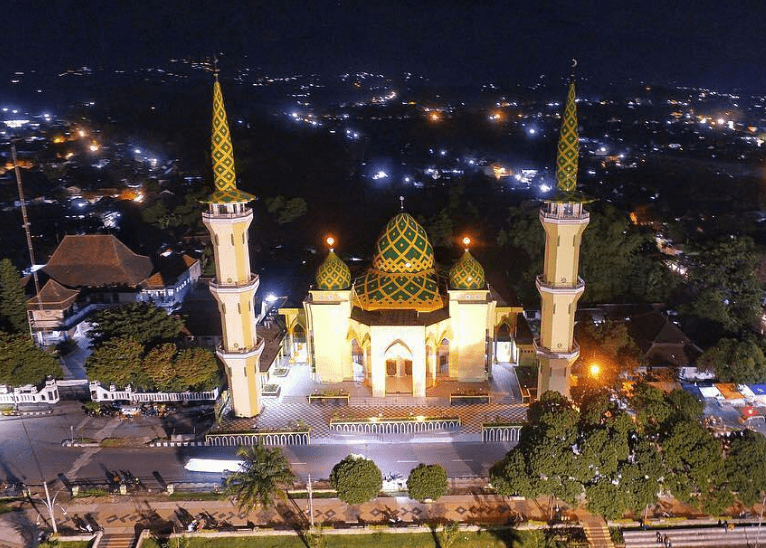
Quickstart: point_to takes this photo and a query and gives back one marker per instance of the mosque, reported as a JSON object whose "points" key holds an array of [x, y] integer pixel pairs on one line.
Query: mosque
{"points": [[398, 328]]}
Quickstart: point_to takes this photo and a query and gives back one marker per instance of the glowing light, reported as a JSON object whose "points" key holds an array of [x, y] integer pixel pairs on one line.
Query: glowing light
{"points": [[380, 175], [434, 116], [139, 198], [466, 241], [330, 241], [94, 146], [531, 131], [270, 298], [721, 121], [137, 151], [82, 133], [544, 187], [594, 370]]}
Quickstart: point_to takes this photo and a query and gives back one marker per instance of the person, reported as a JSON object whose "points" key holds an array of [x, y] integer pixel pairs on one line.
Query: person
{"points": [[659, 537]]}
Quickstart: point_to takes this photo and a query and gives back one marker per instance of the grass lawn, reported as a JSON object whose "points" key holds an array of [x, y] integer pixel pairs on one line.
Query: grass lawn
{"points": [[497, 538]]}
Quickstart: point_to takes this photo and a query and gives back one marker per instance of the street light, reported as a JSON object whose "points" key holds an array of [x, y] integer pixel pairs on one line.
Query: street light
{"points": [[594, 370]]}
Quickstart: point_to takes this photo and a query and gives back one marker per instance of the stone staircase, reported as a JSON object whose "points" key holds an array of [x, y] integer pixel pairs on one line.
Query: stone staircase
{"points": [[117, 540], [741, 535], [597, 531]]}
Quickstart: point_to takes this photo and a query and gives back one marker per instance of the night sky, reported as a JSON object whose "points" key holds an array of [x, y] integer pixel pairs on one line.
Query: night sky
{"points": [[707, 43]]}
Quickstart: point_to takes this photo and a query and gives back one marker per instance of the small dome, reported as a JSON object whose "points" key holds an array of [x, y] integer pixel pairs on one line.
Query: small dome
{"points": [[467, 273], [333, 273]]}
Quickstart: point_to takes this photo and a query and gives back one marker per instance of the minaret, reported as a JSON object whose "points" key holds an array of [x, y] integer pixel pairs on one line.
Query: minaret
{"points": [[564, 220], [227, 219]]}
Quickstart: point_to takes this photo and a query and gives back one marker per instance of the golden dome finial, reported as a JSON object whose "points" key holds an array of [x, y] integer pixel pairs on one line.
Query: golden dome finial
{"points": [[466, 242], [330, 242]]}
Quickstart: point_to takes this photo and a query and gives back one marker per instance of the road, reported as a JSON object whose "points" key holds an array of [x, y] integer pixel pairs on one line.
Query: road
{"points": [[30, 451]]}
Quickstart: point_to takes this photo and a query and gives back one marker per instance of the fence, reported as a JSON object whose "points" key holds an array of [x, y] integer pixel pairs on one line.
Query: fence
{"points": [[254, 438], [394, 426], [100, 394], [500, 432], [30, 394]]}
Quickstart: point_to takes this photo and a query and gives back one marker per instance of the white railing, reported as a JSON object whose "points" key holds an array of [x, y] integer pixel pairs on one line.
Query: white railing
{"points": [[100, 394], [30, 394]]}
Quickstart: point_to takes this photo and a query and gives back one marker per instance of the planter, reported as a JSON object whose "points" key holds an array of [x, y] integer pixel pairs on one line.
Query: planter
{"points": [[468, 399], [329, 399]]}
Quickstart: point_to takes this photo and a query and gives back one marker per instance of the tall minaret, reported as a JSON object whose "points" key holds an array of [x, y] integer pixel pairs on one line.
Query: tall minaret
{"points": [[564, 221], [227, 219]]}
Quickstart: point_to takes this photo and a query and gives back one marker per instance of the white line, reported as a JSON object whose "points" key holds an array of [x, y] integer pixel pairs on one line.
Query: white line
{"points": [[407, 461], [462, 460], [299, 463]]}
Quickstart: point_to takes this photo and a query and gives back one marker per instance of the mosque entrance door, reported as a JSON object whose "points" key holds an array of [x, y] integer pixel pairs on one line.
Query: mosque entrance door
{"points": [[398, 369]]}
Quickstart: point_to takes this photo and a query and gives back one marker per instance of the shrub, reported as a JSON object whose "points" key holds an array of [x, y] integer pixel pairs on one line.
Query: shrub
{"points": [[356, 479], [427, 481]]}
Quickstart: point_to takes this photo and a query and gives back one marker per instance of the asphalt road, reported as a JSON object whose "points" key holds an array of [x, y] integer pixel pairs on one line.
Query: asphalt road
{"points": [[31, 450]]}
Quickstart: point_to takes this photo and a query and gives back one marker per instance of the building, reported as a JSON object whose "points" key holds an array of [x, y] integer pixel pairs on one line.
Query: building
{"points": [[399, 328], [228, 219], [87, 272], [564, 219]]}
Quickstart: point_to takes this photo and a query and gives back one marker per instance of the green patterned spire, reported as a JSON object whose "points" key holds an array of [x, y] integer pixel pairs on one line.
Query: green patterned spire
{"points": [[569, 146], [222, 153]]}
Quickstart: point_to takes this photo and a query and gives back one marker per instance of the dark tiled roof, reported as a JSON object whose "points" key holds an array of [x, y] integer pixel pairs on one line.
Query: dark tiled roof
{"points": [[53, 295], [170, 269], [97, 260], [399, 317]]}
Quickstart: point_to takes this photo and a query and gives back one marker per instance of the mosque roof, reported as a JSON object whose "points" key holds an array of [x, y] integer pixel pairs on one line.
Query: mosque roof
{"points": [[467, 273], [333, 273], [402, 274]]}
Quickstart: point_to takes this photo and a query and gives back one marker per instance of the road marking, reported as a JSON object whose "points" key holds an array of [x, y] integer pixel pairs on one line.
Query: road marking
{"points": [[407, 461], [299, 463], [462, 460]]}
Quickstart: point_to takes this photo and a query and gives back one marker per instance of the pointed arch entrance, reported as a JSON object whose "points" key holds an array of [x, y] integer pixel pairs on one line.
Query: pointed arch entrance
{"points": [[398, 359]]}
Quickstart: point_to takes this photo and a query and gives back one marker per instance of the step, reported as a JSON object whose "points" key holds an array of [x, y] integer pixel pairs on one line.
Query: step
{"points": [[117, 540]]}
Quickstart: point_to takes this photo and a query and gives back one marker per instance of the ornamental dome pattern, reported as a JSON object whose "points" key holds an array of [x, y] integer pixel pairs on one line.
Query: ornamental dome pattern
{"points": [[333, 274], [402, 275], [467, 273]]}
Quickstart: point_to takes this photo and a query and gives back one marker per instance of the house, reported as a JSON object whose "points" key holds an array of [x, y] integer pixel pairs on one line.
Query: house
{"points": [[88, 272]]}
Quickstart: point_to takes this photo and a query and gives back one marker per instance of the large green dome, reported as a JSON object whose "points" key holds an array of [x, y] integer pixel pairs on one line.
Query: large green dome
{"points": [[467, 273], [402, 273], [333, 273]]}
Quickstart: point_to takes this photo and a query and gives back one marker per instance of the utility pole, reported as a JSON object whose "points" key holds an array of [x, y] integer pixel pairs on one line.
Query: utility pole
{"points": [[311, 502], [28, 233]]}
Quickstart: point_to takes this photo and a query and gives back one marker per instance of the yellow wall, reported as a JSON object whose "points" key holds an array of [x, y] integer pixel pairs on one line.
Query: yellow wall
{"points": [[471, 313], [329, 313]]}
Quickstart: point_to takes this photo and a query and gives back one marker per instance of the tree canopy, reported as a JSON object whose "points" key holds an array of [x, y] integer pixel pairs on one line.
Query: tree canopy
{"points": [[265, 472], [13, 304], [722, 287], [735, 360], [21, 362], [166, 367], [623, 465], [143, 322], [356, 479]]}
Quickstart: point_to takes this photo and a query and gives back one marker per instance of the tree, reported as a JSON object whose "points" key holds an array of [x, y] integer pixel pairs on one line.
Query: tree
{"points": [[265, 472], [427, 481], [117, 361], [685, 405], [651, 408], [13, 304], [143, 322], [746, 467], [197, 368], [159, 366], [286, 211], [722, 284], [733, 360], [21, 362], [356, 479]]}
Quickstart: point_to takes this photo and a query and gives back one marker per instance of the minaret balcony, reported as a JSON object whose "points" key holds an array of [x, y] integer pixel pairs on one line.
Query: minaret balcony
{"points": [[569, 213], [234, 287], [241, 353], [226, 212], [569, 354], [560, 288]]}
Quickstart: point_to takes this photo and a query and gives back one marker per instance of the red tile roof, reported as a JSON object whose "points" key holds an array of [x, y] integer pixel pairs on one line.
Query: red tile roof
{"points": [[97, 260], [53, 295]]}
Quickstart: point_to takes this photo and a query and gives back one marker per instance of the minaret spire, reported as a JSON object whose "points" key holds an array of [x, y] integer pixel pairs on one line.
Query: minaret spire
{"points": [[222, 153], [569, 143]]}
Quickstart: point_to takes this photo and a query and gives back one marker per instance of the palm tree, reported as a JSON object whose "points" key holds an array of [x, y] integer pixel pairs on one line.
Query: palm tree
{"points": [[264, 473]]}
